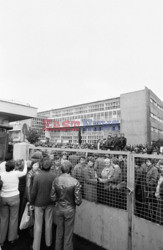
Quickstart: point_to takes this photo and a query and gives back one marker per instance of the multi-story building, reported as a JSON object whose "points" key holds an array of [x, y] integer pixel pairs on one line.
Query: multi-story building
{"points": [[85, 115], [139, 115]]}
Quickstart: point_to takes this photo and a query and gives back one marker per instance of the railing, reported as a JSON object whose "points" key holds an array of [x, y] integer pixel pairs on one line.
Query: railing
{"points": [[122, 184]]}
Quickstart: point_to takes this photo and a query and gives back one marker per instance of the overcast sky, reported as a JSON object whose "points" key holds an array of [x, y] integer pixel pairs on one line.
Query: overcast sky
{"points": [[57, 53]]}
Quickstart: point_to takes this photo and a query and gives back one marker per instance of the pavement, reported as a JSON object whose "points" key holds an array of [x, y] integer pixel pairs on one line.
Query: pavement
{"points": [[25, 242]]}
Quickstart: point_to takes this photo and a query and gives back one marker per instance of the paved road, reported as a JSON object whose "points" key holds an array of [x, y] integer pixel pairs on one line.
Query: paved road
{"points": [[25, 242]]}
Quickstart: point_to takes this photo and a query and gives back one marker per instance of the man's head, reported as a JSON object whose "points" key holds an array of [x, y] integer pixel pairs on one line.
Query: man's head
{"points": [[10, 166], [120, 157], [82, 160], [57, 160], [64, 155], [66, 167], [107, 162], [51, 156], [148, 162], [91, 161], [36, 157], [46, 164]]}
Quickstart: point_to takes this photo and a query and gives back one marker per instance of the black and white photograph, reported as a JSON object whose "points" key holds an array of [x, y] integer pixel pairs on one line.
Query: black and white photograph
{"points": [[81, 125]]}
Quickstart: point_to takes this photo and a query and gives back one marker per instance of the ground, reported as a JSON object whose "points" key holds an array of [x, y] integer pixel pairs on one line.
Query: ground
{"points": [[24, 242]]}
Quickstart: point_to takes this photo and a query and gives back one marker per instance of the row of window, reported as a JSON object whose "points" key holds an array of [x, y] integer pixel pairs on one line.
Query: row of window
{"points": [[156, 104], [156, 118], [86, 109], [96, 116], [156, 130]]}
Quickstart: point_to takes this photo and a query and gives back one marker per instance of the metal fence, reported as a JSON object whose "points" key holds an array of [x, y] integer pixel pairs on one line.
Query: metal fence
{"points": [[121, 180], [102, 175]]}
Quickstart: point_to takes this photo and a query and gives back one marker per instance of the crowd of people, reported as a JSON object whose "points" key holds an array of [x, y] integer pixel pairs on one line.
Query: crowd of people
{"points": [[58, 180], [149, 189], [112, 142], [45, 187]]}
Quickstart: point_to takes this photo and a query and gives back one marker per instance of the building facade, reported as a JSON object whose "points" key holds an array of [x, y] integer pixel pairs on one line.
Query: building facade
{"points": [[96, 121], [139, 115]]}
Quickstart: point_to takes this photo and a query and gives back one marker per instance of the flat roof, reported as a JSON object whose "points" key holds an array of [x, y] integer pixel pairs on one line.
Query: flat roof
{"points": [[74, 106], [17, 103], [15, 117]]}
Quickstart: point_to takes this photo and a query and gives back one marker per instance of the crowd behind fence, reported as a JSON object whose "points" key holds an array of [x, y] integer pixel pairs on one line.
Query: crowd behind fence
{"points": [[103, 177]]}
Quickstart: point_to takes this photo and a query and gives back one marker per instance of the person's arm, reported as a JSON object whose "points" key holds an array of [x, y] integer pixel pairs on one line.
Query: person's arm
{"points": [[74, 172], [1, 183], [53, 194], [29, 180], [22, 173], [153, 179], [78, 194], [34, 191], [116, 177], [88, 178]]}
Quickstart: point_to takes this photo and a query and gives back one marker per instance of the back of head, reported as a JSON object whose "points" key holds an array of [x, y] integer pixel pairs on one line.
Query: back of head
{"points": [[46, 164], [66, 167], [10, 165], [36, 156]]}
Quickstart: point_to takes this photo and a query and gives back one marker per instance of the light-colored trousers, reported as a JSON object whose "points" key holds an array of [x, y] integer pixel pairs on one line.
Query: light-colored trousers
{"points": [[9, 212], [40, 214], [65, 226]]}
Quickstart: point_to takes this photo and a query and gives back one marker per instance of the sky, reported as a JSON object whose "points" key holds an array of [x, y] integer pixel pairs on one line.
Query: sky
{"points": [[58, 53]]}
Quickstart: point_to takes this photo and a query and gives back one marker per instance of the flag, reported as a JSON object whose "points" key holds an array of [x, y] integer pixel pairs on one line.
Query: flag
{"points": [[79, 136]]}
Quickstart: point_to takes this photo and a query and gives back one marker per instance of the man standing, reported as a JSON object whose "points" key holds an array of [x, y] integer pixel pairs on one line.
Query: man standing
{"points": [[66, 191], [78, 173], [40, 198], [151, 183], [56, 166]]}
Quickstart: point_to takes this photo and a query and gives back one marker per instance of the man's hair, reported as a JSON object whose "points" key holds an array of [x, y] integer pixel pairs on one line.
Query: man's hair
{"points": [[10, 165], [82, 157], [46, 164], [57, 158], [91, 158], [149, 159], [66, 167]]}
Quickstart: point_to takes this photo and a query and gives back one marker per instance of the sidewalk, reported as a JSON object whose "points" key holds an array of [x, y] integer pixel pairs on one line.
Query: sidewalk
{"points": [[25, 242]]}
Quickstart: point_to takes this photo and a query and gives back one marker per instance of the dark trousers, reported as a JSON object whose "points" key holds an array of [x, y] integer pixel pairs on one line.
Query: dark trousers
{"points": [[65, 226]]}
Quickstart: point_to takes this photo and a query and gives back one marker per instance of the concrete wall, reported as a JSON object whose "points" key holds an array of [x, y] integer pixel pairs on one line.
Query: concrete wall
{"points": [[146, 235], [103, 225], [134, 117]]}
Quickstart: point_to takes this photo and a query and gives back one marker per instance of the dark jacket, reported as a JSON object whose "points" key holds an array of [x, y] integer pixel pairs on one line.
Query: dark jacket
{"points": [[66, 191], [1, 183], [29, 182], [151, 178], [40, 194]]}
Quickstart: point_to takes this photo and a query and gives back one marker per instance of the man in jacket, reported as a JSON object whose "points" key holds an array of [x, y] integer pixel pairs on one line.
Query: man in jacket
{"points": [[40, 198], [66, 191], [78, 173], [151, 183]]}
